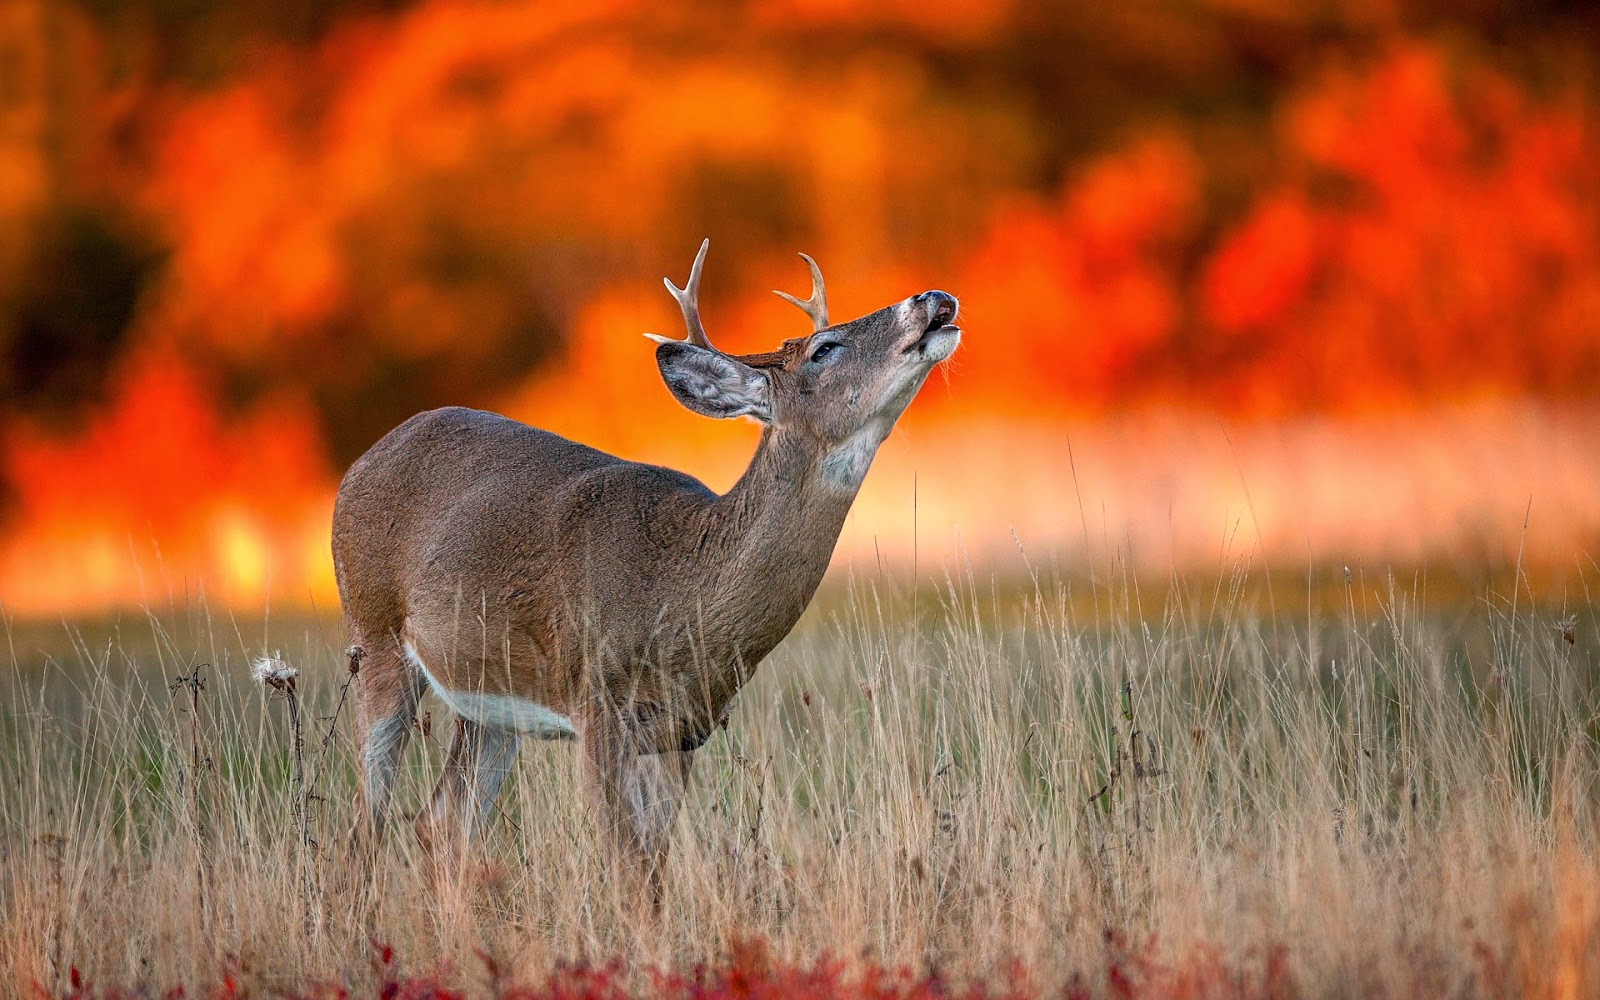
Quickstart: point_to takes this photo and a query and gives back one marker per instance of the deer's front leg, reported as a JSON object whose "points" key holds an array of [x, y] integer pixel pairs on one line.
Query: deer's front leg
{"points": [[634, 796]]}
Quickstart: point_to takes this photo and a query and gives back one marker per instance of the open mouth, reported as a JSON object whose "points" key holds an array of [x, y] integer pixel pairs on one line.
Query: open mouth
{"points": [[939, 328], [936, 343], [943, 317]]}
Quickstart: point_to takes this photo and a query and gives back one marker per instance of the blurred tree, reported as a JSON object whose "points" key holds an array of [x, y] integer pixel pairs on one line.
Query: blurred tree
{"points": [[377, 206], [66, 319], [201, 42], [261, 232]]}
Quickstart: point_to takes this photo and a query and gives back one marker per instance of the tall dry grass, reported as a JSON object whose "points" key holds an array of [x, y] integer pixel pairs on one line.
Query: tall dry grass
{"points": [[1365, 796]]}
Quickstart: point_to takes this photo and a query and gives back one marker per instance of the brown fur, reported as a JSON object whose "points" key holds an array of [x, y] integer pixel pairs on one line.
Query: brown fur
{"points": [[627, 597]]}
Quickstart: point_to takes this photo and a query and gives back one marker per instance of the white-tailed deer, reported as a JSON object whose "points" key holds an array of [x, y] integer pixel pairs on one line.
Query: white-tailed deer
{"points": [[542, 588]]}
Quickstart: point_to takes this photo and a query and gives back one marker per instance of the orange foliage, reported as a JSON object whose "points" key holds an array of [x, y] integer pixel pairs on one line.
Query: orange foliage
{"points": [[1428, 233], [1258, 275], [159, 487], [416, 199], [1069, 298], [318, 186], [1438, 235]]}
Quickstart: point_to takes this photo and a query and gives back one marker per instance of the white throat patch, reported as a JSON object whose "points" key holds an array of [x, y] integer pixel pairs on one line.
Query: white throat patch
{"points": [[846, 465]]}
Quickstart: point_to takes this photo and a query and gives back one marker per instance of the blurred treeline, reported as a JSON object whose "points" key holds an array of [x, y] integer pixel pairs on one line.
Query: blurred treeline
{"points": [[314, 218]]}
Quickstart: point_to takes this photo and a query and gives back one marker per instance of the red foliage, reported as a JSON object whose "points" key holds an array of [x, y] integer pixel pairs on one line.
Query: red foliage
{"points": [[1426, 229], [749, 972]]}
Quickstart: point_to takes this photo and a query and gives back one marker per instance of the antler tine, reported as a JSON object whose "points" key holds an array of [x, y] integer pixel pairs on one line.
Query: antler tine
{"points": [[689, 299], [817, 305]]}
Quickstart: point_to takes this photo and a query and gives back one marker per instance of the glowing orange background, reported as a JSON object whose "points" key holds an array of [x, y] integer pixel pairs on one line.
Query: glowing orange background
{"points": [[1238, 277]]}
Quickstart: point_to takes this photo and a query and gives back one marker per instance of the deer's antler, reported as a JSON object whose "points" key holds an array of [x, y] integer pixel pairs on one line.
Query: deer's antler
{"points": [[689, 301], [817, 305]]}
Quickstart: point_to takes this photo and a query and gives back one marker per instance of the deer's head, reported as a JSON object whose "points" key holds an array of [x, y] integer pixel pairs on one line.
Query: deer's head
{"points": [[842, 387]]}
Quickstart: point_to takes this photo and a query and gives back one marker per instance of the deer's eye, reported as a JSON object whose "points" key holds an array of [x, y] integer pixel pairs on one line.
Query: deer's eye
{"points": [[821, 353]]}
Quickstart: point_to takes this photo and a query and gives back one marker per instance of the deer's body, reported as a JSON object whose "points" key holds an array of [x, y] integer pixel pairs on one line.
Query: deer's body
{"points": [[542, 588], [587, 554]]}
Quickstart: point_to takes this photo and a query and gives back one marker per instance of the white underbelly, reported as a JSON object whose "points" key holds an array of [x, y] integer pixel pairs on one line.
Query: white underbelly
{"points": [[498, 711]]}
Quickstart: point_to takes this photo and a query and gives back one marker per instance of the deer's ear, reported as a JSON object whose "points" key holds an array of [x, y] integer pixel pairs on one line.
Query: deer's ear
{"points": [[712, 384]]}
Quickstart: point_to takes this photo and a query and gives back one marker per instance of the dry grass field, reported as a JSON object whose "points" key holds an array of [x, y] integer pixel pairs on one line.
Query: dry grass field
{"points": [[1172, 788]]}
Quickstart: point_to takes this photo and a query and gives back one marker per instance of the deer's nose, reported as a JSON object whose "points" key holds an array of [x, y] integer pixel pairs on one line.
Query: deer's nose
{"points": [[941, 307]]}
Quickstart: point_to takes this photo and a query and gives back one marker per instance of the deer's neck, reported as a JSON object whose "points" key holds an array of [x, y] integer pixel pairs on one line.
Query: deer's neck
{"points": [[778, 527]]}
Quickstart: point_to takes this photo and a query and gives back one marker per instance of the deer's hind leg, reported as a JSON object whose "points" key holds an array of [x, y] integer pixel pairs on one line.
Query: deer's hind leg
{"points": [[387, 689], [475, 767]]}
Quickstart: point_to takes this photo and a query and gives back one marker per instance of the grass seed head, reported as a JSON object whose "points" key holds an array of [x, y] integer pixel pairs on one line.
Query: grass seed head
{"points": [[273, 672], [1568, 627]]}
